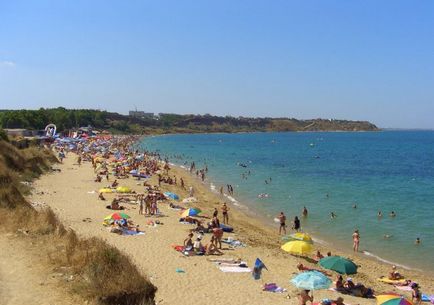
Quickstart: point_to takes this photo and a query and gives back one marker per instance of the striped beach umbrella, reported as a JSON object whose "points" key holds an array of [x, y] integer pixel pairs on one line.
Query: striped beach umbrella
{"points": [[392, 299], [190, 212]]}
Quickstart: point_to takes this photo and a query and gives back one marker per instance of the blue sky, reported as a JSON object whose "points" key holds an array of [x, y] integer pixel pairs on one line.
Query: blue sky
{"points": [[360, 60]]}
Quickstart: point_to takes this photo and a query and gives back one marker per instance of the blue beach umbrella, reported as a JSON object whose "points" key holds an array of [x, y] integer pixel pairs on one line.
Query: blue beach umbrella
{"points": [[311, 280], [171, 195]]}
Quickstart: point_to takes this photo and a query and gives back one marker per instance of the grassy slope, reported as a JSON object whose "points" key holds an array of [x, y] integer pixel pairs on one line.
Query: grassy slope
{"points": [[101, 272]]}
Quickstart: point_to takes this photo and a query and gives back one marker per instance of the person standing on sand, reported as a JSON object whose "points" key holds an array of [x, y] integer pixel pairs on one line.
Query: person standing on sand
{"points": [[356, 240], [191, 191], [296, 224], [304, 297], [221, 191], [141, 204], [282, 220], [225, 210]]}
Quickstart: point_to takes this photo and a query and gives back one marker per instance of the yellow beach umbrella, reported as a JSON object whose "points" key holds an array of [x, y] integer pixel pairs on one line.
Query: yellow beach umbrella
{"points": [[105, 190], [302, 236], [123, 189], [297, 247]]}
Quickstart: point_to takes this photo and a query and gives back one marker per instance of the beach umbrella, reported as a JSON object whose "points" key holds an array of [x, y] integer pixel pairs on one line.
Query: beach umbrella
{"points": [[171, 195], [311, 280], [123, 189], [302, 236], [191, 212], [117, 216], [105, 190], [339, 264], [392, 299], [297, 247]]}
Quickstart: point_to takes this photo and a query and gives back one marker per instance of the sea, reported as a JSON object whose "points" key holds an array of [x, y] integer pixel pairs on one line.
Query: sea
{"points": [[354, 175]]}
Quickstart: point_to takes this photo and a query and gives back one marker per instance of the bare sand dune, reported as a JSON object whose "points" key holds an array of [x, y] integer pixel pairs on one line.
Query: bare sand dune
{"points": [[25, 277]]}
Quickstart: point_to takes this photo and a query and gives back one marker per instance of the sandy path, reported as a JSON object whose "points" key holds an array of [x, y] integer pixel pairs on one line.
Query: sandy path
{"points": [[70, 194], [24, 280]]}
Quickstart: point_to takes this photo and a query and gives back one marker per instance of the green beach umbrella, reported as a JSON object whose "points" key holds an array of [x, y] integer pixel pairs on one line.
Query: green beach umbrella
{"points": [[338, 264]]}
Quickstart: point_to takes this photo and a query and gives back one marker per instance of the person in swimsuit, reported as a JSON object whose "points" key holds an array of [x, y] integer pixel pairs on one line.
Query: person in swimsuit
{"points": [[416, 296], [282, 220], [296, 226], [356, 240], [225, 210], [188, 243], [304, 212], [304, 297]]}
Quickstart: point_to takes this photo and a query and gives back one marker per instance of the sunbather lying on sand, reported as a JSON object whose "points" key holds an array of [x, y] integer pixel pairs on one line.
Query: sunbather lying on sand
{"points": [[302, 267], [358, 290], [115, 205], [188, 219]]}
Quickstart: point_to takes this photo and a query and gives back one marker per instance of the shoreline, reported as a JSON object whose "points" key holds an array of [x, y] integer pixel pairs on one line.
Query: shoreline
{"points": [[71, 194], [250, 212]]}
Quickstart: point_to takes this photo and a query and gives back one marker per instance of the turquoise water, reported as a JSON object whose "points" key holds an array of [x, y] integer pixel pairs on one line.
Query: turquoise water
{"points": [[328, 172]]}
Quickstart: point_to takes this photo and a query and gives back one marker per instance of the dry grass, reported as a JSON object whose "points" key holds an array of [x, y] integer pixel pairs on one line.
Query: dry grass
{"points": [[100, 271]]}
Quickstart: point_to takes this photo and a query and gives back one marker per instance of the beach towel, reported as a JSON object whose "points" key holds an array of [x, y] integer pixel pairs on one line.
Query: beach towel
{"points": [[131, 232], [178, 248], [427, 298], [240, 264], [234, 269], [222, 260], [233, 242], [272, 287], [257, 270], [404, 288]]}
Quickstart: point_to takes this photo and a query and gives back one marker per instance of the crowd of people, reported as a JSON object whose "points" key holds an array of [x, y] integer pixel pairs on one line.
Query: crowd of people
{"points": [[116, 159]]}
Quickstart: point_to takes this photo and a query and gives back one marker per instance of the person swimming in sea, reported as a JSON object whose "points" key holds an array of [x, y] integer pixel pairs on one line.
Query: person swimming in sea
{"points": [[417, 242], [332, 215], [355, 206], [392, 214], [304, 212], [379, 214]]}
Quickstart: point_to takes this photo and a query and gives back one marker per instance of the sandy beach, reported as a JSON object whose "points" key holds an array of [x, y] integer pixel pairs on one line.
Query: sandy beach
{"points": [[72, 194]]}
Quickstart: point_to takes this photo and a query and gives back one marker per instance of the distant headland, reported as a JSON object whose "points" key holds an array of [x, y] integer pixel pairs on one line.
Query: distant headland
{"points": [[139, 122]]}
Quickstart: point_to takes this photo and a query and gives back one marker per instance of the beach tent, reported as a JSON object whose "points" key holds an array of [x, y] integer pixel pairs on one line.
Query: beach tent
{"points": [[257, 270], [339, 264], [297, 247]]}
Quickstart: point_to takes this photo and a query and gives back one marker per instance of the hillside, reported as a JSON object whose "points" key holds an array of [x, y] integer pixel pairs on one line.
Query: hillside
{"points": [[66, 119]]}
